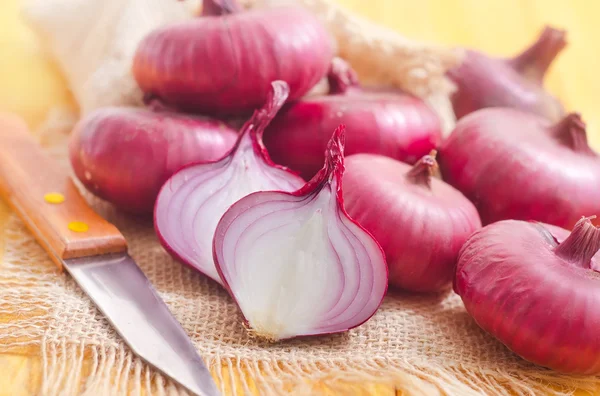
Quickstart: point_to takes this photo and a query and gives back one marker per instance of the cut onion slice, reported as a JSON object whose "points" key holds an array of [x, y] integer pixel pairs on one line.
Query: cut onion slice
{"points": [[193, 200], [296, 263]]}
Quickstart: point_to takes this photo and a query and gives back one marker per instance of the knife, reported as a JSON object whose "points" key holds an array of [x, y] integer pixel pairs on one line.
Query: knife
{"points": [[94, 253]]}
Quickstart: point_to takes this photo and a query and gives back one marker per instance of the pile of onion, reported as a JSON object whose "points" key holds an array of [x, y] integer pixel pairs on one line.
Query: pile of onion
{"points": [[296, 263], [225, 61], [535, 288], [124, 155], [516, 165], [420, 222], [193, 200], [396, 125], [483, 81]]}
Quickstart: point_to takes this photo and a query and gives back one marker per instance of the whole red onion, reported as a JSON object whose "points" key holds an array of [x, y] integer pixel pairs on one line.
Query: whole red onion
{"points": [[484, 81], [124, 155], [396, 125], [420, 222], [516, 165], [225, 61], [535, 288]]}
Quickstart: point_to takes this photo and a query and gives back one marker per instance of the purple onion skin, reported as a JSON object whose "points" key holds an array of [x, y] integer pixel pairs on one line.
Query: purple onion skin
{"points": [[224, 64], [420, 222], [543, 306], [515, 165], [483, 81], [398, 126], [124, 155]]}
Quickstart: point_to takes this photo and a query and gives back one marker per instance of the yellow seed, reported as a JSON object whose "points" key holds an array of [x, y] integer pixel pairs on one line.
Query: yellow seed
{"points": [[78, 226], [54, 198]]}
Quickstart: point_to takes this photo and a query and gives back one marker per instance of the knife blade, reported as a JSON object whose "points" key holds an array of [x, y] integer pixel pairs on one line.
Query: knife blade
{"points": [[95, 254]]}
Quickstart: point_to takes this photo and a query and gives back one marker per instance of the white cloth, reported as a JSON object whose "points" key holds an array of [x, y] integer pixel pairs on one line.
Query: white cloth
{"points": [[93, 42]]}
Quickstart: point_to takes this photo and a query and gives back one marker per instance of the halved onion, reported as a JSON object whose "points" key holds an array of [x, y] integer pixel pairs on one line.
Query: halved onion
{"points": [[193, 200], [296, 263]]}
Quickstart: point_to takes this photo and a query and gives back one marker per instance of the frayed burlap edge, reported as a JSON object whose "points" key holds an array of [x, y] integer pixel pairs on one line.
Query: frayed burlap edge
{"points": [[78, 368]]}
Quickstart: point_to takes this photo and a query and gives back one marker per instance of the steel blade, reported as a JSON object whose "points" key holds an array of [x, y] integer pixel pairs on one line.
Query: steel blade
{"points": [[126, 297]]}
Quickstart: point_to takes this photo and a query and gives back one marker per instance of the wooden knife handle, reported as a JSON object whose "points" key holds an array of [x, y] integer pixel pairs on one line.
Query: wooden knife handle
{"points": [[27, 174]]}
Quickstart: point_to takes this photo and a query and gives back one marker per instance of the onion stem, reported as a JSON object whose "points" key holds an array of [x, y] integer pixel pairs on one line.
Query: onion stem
{"points": [[423, 170], [220, 7], [570, 131], [582, 244], [533, 63], [155, 104], [341, 77], [335, 153]]}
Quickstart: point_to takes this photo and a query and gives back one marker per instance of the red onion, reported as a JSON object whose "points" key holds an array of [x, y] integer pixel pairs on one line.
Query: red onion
{"points": [[224, 62], [124, 155], [420, 222], [296, 263], [391, 124], [483, 81], [516, 165], [535, 287], [193, 200]]}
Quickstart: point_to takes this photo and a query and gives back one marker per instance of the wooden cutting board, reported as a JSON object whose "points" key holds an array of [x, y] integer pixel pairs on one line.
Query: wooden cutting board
{"points": [[30, 84]]}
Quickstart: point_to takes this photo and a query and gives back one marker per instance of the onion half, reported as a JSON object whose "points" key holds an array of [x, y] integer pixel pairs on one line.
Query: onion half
{"points": [[296, 263], [193, 200]]}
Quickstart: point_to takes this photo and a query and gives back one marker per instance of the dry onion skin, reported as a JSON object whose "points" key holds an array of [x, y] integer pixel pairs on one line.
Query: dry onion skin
{"points": [[295, 263], [534, 287]]}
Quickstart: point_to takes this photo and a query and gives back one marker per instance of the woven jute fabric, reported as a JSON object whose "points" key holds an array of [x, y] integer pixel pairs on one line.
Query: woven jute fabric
{"points": [[423, 345]]}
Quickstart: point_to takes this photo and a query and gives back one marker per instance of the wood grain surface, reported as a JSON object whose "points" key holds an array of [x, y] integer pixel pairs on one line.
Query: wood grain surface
{"points": [[30, 84], [27, 176]]}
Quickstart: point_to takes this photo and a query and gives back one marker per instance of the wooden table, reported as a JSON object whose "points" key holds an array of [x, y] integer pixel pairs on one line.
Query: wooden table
{"points": [[30, 84]]}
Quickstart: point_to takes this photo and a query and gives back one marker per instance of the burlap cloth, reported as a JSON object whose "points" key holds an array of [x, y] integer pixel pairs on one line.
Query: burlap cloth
{"points": [[419, 344]]}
